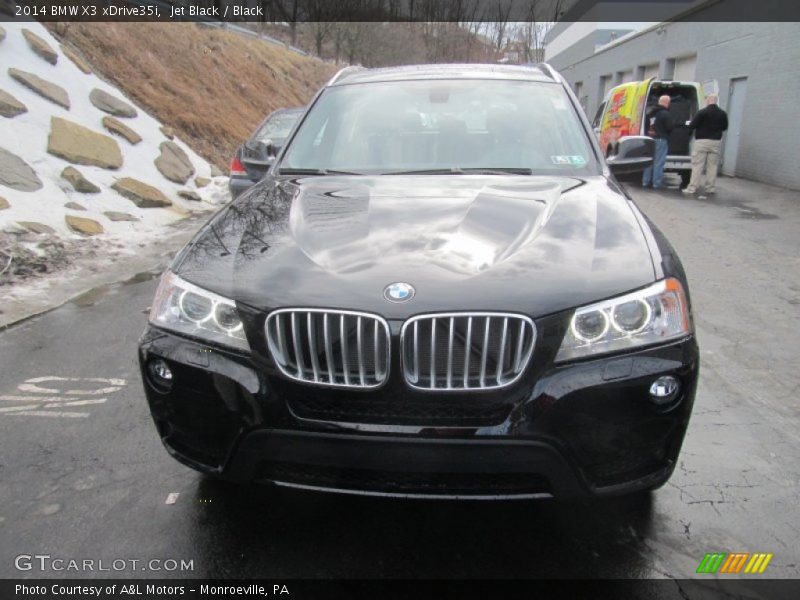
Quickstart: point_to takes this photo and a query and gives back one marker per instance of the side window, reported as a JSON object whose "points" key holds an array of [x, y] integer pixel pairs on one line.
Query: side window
{"points": [[599, 115]]}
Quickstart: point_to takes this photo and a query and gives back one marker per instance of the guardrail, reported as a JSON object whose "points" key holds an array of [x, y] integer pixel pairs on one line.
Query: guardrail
{"points": [[262, 36], [167, 6]]}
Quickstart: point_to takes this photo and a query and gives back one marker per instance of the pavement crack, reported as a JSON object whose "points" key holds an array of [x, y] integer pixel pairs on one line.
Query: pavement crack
{"points": [[681, 591], [712, 503], [686, 529]]}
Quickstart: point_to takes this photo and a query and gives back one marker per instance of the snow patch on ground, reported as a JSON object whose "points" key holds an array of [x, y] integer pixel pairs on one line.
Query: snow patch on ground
{"points": [[92, 265]]}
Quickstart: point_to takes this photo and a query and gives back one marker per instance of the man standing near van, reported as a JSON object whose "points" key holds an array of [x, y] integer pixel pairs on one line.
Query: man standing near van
{"points": [[708, 125], [659, 126]]}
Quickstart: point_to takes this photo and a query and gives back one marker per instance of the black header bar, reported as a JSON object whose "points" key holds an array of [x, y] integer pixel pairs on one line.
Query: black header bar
{"points": [[464, 11], [708, 588]]}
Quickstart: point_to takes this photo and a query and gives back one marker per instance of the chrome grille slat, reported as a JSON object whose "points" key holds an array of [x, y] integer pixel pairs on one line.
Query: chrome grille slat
{"points": [[375, 347], [330, 347], [485, 350], [466, 351], [433, 353], [343, 342], [450, 356], [298, 353], [281, 338], [518, 360], [312, 347], [360, 345], [502, 350], [416, 351]]}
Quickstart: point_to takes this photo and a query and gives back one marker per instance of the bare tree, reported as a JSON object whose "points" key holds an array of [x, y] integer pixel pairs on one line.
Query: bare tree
{"points": [[530, 34], [393, 8], [321, 16], [354, 41], [432, 15], [287, 11], [321, 30], [558, 10], [501, 14], [474, 24], [454, 31], [339, 32]]}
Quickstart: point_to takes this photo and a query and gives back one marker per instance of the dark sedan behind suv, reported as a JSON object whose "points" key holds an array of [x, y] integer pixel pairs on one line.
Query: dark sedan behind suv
{"points": [[438, 290], [252, 159]]}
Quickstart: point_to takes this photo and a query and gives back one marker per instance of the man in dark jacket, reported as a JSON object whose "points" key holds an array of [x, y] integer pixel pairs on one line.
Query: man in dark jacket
{"points": [[659, 126], [708, 125]]}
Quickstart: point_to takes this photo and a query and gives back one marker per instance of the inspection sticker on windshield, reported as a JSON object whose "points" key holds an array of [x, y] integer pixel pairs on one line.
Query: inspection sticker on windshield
{"points": [[574, 160]]}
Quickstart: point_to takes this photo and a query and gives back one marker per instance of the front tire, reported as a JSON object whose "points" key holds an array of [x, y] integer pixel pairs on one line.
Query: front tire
{"points": [[686, 177]]}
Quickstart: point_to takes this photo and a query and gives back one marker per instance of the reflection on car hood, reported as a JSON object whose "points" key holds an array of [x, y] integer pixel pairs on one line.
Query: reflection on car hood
{"points": [[480, 242]]}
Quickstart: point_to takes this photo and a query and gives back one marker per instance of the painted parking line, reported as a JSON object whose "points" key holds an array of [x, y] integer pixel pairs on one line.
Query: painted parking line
{"points": [[47, 413], [7, 409], [31, 398], [77, 403], [31, 385], [82, 392], [97, 392]]}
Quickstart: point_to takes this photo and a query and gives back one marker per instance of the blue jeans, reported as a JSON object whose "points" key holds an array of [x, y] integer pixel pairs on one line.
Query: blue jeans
{"points": [[655, 175]]}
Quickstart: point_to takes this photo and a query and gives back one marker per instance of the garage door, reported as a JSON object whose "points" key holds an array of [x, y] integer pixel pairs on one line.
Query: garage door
{"points": [[685, 68], [650, 71]]}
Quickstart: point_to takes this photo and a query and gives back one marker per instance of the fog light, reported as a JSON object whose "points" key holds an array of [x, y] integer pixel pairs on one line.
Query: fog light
{"points": [[160, 375], [664, 390]]}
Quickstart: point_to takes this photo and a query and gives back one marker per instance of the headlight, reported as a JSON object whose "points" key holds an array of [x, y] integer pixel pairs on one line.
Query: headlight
{"points": [[653, 315], [186, 308]]}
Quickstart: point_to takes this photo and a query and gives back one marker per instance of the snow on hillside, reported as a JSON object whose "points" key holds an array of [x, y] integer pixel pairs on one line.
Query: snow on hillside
{"points": [[26, 136]]}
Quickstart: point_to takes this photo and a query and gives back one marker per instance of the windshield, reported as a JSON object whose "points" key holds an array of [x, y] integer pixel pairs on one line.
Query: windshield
{"points": [[277, 127], [442, 125]]}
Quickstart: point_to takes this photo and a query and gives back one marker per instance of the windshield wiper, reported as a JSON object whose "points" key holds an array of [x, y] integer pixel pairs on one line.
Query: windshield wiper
{"points": [[291, 171], [466, 170], [499, 170]]}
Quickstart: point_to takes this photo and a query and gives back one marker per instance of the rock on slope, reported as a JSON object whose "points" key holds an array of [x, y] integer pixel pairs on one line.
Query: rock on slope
{"points": [[62, 154]]}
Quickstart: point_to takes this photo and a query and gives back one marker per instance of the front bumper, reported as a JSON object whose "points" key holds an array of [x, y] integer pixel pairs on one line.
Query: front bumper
{"points": [[677, 163], [581, 429]]}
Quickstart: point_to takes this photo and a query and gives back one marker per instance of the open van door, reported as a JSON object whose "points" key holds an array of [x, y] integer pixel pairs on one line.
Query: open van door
{"points": [[642, 92], [687, 98], [598, 118]]}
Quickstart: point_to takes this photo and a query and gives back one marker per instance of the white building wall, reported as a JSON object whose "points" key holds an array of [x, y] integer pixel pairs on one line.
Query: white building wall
{"points": [[768, 54]]}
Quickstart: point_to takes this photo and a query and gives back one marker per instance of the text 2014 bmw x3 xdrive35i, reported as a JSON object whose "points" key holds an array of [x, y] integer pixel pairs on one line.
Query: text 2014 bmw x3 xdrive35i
{"points": [[438, 290]]}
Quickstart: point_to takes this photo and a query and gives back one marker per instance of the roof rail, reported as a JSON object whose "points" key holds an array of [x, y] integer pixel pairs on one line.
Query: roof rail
{"points": [[549, 71], [342, 73]]}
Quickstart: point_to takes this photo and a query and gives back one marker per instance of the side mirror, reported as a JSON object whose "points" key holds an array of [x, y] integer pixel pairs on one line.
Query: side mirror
{"points": [[633, 155]]}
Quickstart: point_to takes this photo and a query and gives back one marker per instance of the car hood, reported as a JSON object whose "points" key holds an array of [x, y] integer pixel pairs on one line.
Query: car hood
{"points": [[465, 242]]}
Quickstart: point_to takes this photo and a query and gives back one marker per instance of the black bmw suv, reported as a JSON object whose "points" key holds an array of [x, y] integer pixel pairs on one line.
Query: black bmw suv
{"points": [[438, 290]]}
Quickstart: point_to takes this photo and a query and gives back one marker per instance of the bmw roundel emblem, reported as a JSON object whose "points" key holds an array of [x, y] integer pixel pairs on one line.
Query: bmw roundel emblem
{"points": [[398, 292]]}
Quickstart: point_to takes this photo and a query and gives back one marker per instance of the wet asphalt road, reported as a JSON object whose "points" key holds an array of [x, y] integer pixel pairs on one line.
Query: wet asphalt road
{"points": [[94, 487]]}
